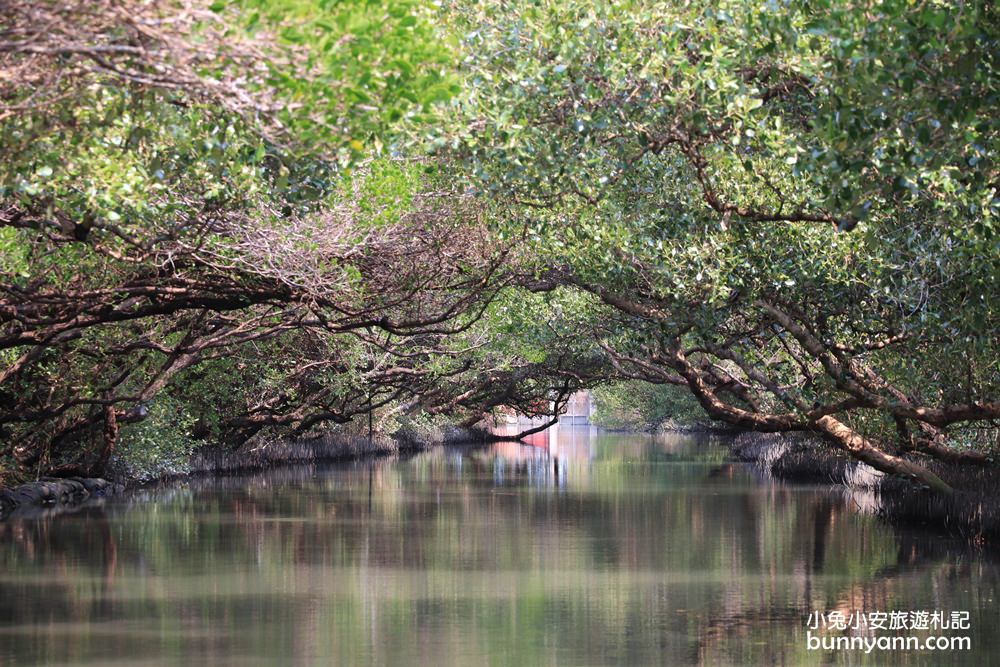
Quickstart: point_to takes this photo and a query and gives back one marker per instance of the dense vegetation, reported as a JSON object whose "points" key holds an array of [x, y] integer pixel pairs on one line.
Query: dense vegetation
{"points": [[229, 220], [634, 405]]}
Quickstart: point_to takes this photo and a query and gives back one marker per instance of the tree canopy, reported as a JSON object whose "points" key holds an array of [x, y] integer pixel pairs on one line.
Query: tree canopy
{"points": [[272, 215]]}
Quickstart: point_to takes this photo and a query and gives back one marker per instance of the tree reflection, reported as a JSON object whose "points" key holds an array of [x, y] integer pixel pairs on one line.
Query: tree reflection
{"points": [[605, 549]]}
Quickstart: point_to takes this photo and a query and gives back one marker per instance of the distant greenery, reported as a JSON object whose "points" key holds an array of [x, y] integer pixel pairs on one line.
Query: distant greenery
{"points": [[641, 406], [160, 444]]}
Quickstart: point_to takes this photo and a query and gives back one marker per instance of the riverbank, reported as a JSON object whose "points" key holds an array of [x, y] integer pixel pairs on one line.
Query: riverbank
{"points": [[671, 426], [972, 511], [55, 494]]}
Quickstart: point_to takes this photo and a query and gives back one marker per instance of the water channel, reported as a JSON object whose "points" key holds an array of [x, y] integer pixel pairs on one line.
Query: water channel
{"points": [[582, 548]]}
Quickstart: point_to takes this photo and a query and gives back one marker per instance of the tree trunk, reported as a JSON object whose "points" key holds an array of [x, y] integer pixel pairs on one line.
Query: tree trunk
{"points": [[861, 449], [110, 438]]}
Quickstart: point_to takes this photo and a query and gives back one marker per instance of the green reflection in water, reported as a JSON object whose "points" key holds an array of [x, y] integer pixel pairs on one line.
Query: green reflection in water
{"points": [[586, 548]]}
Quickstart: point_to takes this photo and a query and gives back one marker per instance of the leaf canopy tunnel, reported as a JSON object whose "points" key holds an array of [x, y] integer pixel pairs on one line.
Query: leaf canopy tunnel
{"points": [[263, 218]]}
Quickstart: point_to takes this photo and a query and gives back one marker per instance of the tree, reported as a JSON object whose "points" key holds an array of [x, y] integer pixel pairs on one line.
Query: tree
{"points": [[185, 183], [794, 208]]}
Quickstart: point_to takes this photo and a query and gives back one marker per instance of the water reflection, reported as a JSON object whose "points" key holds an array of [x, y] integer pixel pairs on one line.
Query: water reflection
{"points": [[579, 548]]}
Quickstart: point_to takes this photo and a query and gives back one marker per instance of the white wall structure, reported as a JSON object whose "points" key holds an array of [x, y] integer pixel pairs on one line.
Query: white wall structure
{"points": [[578, 410], [577, 413]]}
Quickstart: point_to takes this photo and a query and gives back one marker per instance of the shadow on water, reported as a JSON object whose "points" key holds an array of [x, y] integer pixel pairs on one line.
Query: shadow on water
{"points": [[577, 548]]}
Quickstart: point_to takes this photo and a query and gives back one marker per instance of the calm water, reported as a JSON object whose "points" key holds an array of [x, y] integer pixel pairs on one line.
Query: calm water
{"points": [[591, 549]]}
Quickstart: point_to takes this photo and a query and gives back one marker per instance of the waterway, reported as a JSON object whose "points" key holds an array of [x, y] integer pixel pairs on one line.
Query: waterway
{"points": [[582, 548]]}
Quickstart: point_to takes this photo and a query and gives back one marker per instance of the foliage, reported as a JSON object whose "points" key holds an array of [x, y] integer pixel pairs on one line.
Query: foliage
{"points": [[158, 445], [791, 207], [360, 68], [634, 405], [280, 214], [189, 184]]}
